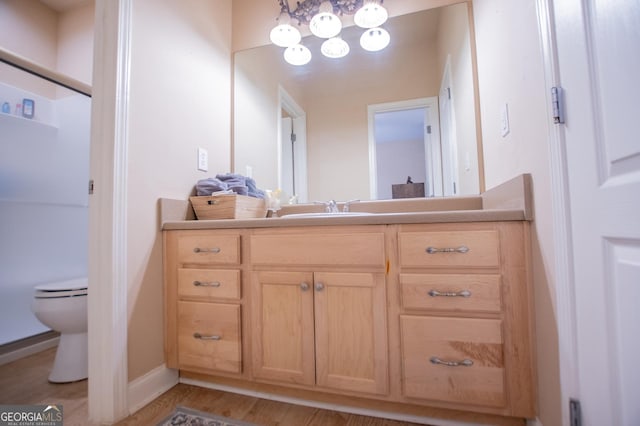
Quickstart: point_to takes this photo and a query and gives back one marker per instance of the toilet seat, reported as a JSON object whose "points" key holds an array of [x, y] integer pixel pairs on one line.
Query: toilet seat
{"points": [[71, 288]]}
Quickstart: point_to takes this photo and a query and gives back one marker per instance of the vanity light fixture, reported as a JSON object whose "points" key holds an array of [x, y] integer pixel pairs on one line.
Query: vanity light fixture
{"points": [[325, 24], [335, 47], [297, 55], [370, 15], [284, 34], [323, 19], [375, 39]]}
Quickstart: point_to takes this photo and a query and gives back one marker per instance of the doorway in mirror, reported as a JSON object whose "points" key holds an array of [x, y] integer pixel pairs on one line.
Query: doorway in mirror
{"points": [[404, 144]]}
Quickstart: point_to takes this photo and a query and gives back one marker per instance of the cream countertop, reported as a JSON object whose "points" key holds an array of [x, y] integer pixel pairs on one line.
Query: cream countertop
{"points": [[510, 201]]}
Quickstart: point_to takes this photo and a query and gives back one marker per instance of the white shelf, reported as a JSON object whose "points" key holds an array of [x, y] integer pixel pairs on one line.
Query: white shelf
{"points": [[19, 121]]}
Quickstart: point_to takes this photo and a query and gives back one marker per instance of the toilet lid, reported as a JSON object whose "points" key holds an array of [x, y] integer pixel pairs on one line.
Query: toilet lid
{"points": [[69, 288], [59, 293]]}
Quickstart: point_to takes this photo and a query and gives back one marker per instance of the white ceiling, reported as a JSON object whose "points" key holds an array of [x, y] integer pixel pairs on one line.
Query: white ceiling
{"points": [[63, 5]]}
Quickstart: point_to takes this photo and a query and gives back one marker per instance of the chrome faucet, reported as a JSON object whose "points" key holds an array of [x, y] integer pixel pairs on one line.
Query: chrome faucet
{"points": [[331, 206]]}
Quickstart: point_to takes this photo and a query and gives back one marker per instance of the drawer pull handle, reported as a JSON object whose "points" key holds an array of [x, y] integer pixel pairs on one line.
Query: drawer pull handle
{"points": [[434, 250], [304, 286], [207, 284], [213, 202], [206, 250], [319, 286], [204, 337], [463, 293], [463, 363]]}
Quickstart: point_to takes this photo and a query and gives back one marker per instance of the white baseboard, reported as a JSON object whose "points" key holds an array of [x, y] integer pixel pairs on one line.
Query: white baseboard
{"points": [[334, 407], [29, 350], [534, 422], [145, 389]]}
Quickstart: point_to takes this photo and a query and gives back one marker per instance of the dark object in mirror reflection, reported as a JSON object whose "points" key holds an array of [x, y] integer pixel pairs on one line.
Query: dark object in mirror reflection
{"points": [[407, 190]]}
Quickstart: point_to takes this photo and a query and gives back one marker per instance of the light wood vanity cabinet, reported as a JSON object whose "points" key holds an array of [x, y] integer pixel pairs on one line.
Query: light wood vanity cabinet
{"points": [[325, 326], [435, 316], [464, 316], [203, 301]]}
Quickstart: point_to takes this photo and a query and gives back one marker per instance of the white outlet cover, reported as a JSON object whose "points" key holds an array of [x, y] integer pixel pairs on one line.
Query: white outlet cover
{"points": [[203, 160]]}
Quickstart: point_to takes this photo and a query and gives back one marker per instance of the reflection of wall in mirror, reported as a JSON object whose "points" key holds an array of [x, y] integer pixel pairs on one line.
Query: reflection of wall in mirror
{"points": [[454, 40], [337, 143], [258, 73]]}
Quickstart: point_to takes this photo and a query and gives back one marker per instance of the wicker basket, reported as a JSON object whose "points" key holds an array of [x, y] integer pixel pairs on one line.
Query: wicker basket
{"points": [[228, 206]]}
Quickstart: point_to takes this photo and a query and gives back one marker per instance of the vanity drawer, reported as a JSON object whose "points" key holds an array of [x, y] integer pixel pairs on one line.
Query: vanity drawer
{"points": [[453, 360], [449, 248], [363, 249], [209, 284], [451, 292], [209, 336], [209, 249]]}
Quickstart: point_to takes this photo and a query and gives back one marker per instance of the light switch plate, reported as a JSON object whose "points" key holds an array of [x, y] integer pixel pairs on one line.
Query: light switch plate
{"points": [[504, 120], [203, 160]]}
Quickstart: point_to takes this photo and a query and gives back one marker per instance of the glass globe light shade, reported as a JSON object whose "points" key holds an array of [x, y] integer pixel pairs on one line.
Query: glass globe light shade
{"points": [[297, 55], [372, 14], [325, 24], [375, 39], [284, 34], [334, 48]]}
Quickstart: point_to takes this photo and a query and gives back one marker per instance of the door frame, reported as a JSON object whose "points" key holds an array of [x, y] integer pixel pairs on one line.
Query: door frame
{"points": [[563, 250], [298, 115], [107, 300], [430, 103]]}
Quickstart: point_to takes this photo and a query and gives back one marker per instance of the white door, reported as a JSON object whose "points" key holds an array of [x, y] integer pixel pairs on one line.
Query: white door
{"points": [[448, 135], [432, 150], [598, 45], [287, 161]]}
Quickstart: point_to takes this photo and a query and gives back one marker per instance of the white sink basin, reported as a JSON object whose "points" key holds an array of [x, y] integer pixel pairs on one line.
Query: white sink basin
{"points": [[324, 214]]}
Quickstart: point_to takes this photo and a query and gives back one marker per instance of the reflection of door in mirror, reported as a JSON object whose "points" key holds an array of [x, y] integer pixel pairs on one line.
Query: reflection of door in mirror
{"points": [[448, 134], [404, 142], [292, 149]]}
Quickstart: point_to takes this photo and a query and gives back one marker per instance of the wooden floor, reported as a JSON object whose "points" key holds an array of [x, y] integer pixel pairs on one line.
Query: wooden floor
{"points": [[25, 382]]}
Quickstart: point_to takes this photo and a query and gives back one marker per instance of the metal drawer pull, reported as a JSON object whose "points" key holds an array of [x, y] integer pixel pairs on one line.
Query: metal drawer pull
{"points": [[434, 250], [207, 284], [206, 250], [463, 293], [203, 337], [463, 363], [319, 286], [304, 286]]}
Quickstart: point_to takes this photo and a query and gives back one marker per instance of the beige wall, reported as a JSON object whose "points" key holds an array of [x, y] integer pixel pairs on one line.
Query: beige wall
{"points": [[180, 92], [511, 71], [454, 42], [75, 42], [29, 29], [258, 73], [62, 42]]}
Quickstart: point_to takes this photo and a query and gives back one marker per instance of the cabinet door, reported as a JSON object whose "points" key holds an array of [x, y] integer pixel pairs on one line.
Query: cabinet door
{"points": [[351, 332], [282, 315]]}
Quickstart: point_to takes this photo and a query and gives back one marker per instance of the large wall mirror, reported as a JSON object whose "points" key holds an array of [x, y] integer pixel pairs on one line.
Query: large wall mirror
{"points": [[366, 121]]}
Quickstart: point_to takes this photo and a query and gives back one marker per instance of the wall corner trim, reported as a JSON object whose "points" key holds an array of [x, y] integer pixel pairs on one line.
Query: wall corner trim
{"points": [[151, 385]]}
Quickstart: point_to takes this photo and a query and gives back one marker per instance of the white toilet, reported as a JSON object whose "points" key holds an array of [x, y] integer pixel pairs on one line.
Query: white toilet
{"points": [[62, 306]]}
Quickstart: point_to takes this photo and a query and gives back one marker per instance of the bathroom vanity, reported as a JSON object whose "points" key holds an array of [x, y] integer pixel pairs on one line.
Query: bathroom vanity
{"points": [[424, 311]]}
